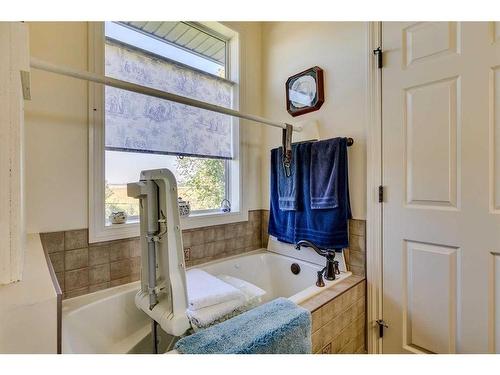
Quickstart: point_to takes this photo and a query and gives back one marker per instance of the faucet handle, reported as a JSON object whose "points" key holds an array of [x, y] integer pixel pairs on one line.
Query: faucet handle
{"points": [[336, 267], [319, 282]]}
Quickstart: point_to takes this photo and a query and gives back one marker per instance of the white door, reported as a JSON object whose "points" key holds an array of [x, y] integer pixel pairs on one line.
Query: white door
{"points": [[441, 172]]}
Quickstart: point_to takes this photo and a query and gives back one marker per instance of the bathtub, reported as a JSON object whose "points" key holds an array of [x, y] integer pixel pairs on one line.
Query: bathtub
{"points": [[108, 321]]}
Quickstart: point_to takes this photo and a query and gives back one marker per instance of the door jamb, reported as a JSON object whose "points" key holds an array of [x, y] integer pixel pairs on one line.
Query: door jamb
{"points": [[374, 259]]}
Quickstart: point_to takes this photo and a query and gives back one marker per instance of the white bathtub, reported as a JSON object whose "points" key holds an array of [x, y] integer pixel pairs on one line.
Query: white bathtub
{"points": [[108, 321]]}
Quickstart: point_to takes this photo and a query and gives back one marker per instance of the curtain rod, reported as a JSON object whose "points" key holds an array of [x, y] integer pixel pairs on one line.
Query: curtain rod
{"points": [[87, 76]]}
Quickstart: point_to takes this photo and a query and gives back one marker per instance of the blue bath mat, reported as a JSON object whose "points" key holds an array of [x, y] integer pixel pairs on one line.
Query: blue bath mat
{"points": [[277, 327]]}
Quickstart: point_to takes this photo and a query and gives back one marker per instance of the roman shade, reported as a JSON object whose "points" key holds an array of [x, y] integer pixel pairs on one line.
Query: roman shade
{"points": [[139, 123]]}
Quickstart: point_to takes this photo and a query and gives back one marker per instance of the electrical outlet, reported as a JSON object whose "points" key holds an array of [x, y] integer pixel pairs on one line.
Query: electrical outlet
{"points": [[187, 253]]}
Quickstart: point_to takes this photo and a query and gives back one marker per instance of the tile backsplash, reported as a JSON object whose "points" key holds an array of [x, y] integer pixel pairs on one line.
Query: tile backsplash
{"points": [[83, 268]]}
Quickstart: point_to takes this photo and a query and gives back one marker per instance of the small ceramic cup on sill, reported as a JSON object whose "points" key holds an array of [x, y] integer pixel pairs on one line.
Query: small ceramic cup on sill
{"points": [[118, 217]]}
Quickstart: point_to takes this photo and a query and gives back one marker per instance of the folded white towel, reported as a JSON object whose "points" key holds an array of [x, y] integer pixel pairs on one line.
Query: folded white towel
{"points": [[209, 315], [205, 290], [252, 292]]}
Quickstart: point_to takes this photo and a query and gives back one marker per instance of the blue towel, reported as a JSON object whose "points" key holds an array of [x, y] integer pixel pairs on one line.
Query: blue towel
{"points": [[287, 191], [282, 223], [327, 228], [326, 156], [277, 327]]}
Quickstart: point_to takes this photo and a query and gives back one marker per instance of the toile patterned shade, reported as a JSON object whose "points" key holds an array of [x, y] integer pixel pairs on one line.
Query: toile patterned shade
{"points": [[139, 123]]}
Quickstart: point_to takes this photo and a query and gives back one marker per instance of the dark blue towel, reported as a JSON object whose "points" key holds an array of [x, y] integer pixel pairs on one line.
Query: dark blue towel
{"points": [[281, 223], [325, 159], [327, 228], [287, 190]]}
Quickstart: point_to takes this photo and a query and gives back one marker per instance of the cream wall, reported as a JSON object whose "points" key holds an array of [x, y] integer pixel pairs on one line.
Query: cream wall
{"points": [[56, 131], [57, 126], [340, 49]]}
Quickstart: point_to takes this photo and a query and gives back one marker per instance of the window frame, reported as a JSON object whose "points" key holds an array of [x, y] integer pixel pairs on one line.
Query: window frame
{"points": [[98, 230]]}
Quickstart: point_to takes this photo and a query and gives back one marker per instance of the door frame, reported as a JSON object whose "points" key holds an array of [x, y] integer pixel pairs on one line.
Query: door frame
{"points": [[374, 244]]}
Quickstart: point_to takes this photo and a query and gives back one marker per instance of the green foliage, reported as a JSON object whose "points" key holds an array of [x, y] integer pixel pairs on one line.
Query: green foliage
{"points": [[201, 181], [113, 202]]}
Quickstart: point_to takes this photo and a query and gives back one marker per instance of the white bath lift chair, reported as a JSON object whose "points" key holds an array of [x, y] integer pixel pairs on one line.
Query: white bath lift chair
{"points": [[163, 294]]}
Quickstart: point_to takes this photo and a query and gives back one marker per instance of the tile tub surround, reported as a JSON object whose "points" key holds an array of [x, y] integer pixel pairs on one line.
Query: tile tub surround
{"points": [[339, 318], [355, 254], [221, 241], [83, 268]]}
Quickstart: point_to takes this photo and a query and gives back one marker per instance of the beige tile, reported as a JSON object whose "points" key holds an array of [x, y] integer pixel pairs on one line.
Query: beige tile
{"points": [[248, 228], [347, 256], [186, 238], [357, 227], [265, 241], [99, 274], [53, 241], [240, 229], [220, 232], [219, 247], [209, 235], [135, 265], [229, 231], [135, 247], [356, 270], [357, 243], [120, 269], [75, 293], [75, 239], [118, 251], [264, 216], [197, 237], [97, 287], [232, 244], [316, 320], [256, 239], [197, 252], [57, 260], [98, 255], [120, 281], [74, 259], [254, 216], [210, 249], [334, 291], [76, 279], [248, 240]]}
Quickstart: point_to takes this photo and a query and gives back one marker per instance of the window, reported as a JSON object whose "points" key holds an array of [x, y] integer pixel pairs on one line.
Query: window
{"points": [[135, 132]]}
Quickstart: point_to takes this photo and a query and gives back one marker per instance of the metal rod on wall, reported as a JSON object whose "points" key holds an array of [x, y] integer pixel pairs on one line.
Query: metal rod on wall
{"points": [[92, 77]]}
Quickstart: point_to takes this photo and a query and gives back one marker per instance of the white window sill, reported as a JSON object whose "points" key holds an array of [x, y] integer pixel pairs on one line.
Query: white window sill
{"points": [[129, 230]]}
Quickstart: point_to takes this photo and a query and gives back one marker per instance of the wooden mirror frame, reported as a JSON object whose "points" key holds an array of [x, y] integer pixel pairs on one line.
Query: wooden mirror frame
{"points": [[320, 94]]}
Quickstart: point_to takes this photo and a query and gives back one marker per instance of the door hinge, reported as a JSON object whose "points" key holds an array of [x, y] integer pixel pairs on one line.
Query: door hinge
{"points": [[381, 325], [378, 52], [380, 194]]}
